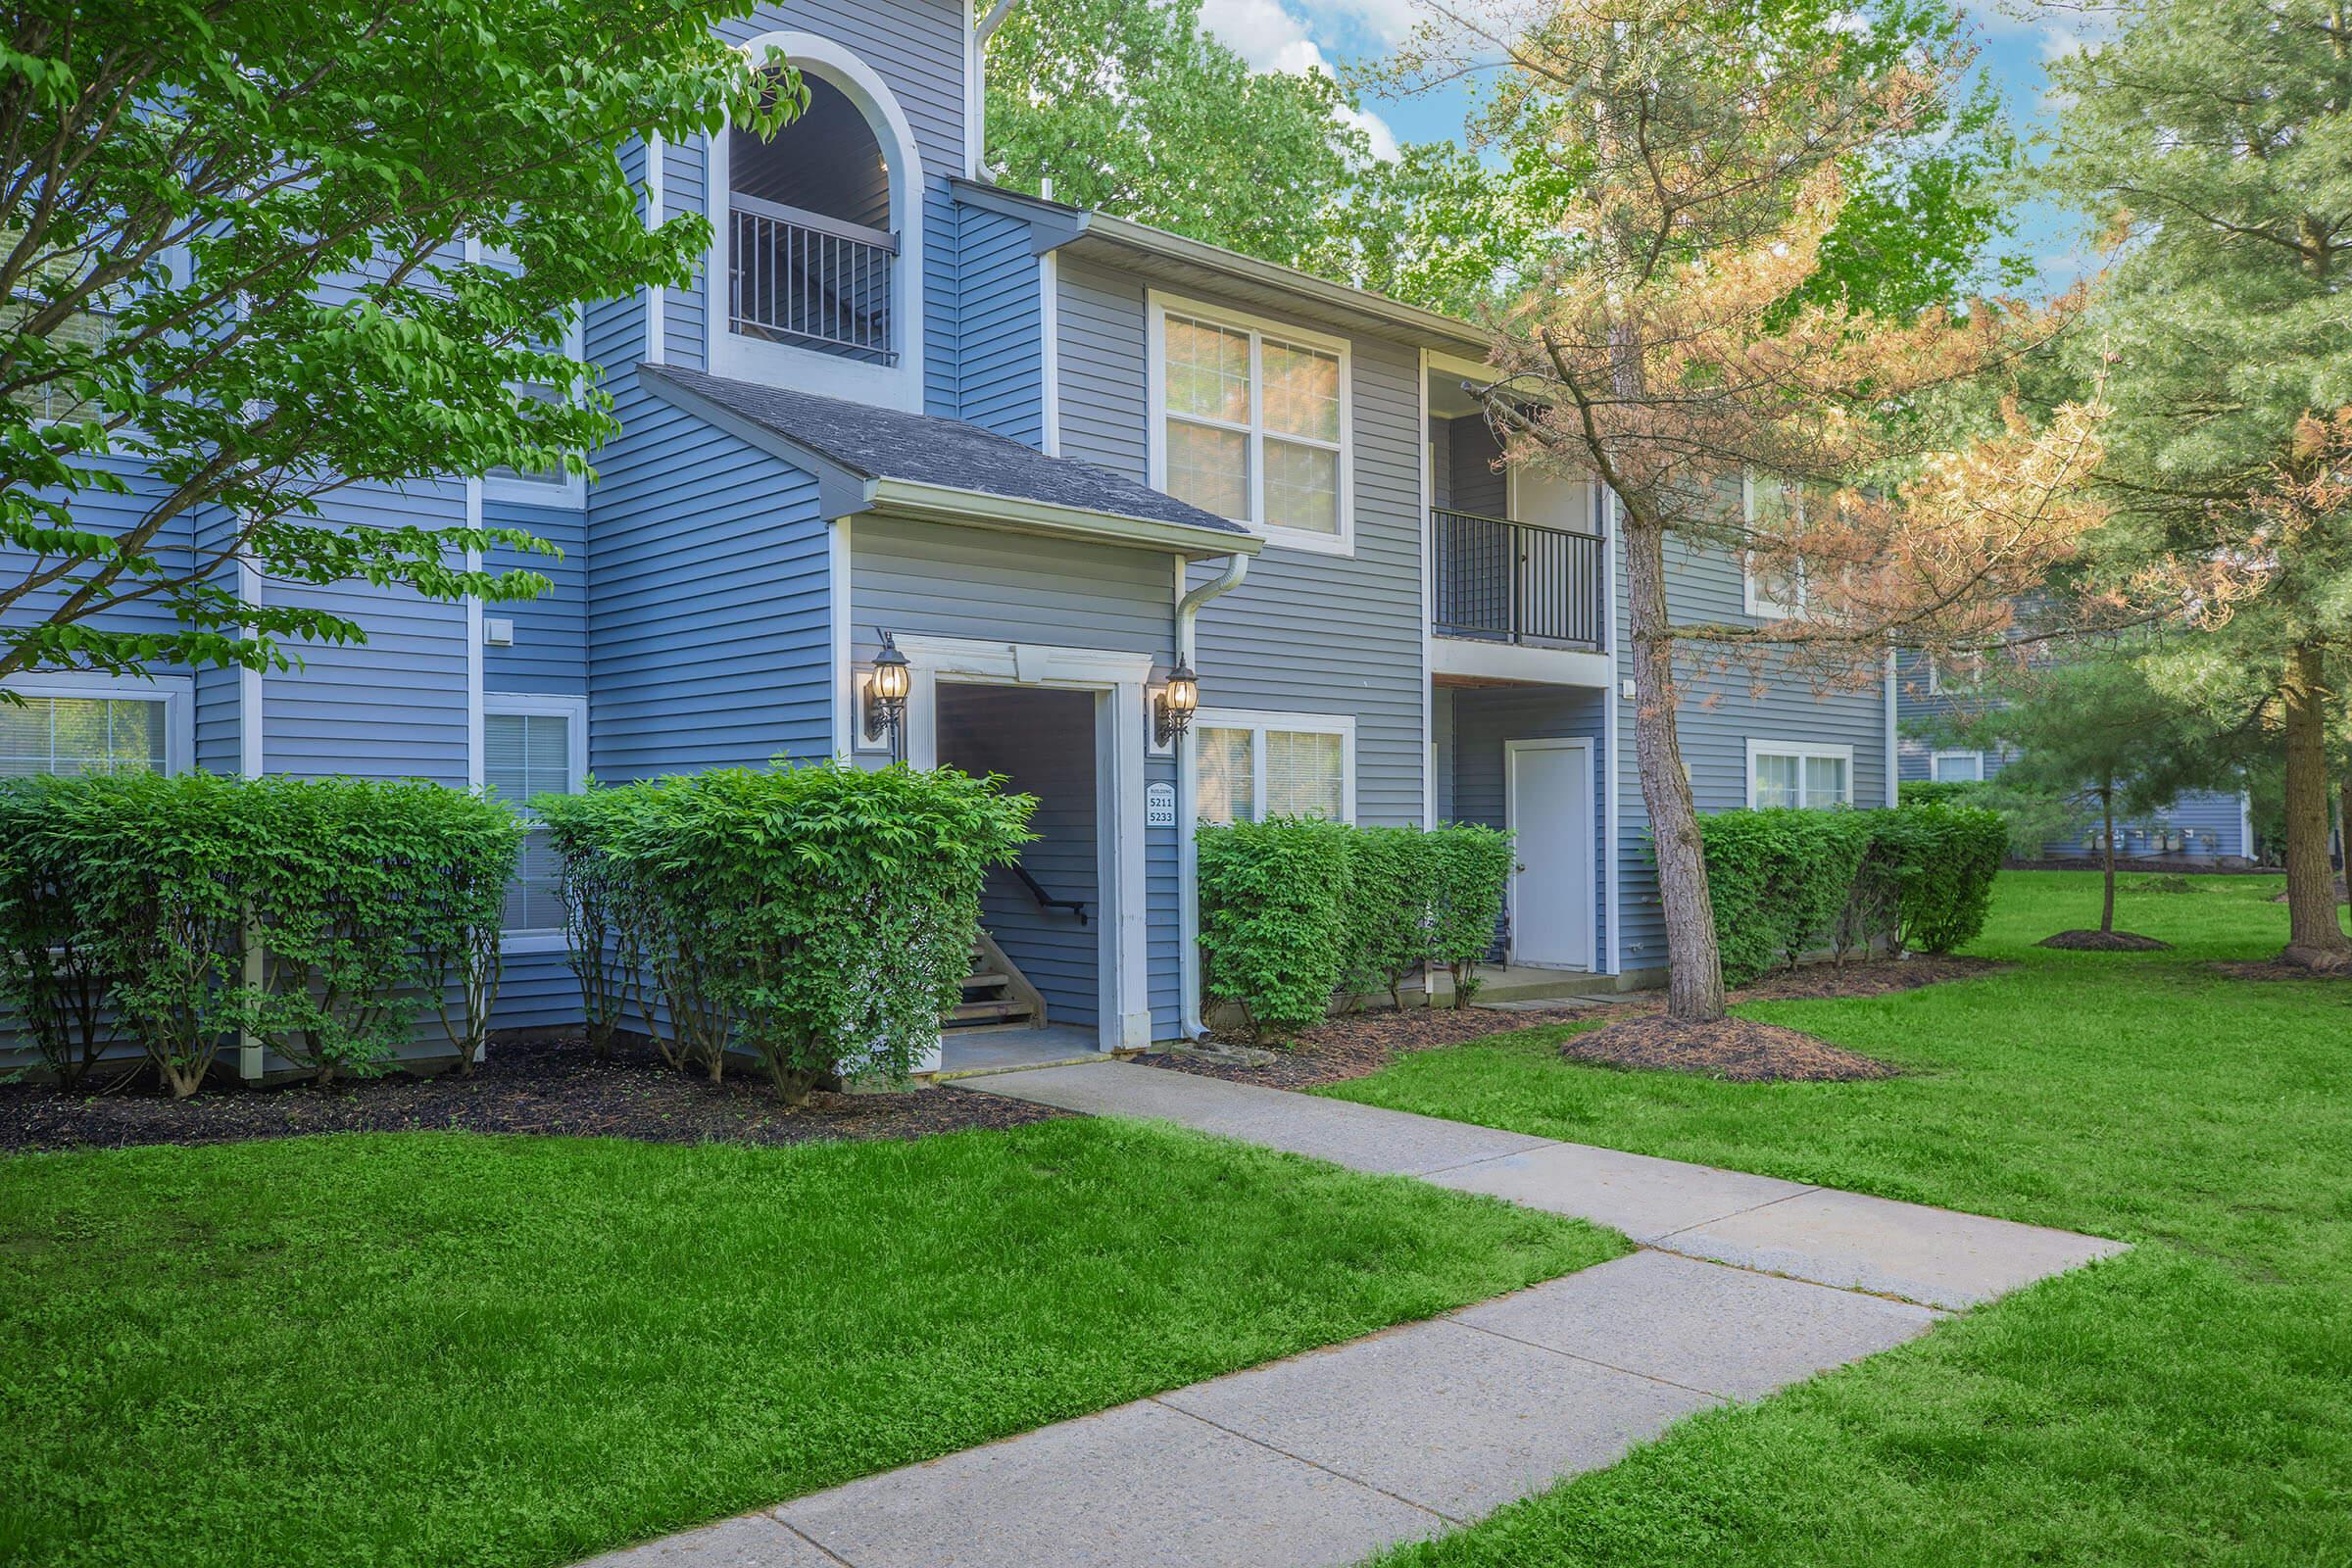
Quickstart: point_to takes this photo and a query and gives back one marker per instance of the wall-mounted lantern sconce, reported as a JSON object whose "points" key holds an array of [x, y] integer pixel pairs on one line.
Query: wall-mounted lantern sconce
{"points": [[1172, 710], [886, 693]]}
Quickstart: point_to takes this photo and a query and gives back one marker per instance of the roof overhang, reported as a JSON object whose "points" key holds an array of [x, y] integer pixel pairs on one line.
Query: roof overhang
{"points": [[844, 492], [1056, 225]]}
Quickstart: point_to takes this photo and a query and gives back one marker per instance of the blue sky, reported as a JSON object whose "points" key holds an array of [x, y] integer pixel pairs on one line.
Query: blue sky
{"points": [[2015, 42]]}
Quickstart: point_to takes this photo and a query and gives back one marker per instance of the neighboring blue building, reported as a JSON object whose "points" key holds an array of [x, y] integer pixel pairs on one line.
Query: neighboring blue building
{"points": [[2202, 825], [1054, 454]]}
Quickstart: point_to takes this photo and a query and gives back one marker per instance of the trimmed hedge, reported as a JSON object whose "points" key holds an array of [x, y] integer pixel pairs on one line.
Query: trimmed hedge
{"points": [[320, 915], [819, 917], [1934, 792], [1787, 882], [1295, 909]]}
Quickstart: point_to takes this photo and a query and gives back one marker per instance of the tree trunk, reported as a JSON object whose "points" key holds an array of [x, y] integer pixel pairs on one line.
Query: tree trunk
{"points": [[2107, 856], [1694, 965], [2314, 939]]}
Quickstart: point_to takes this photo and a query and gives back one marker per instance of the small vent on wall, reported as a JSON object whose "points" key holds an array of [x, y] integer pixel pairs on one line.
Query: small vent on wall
{"points": [[498, 631]]}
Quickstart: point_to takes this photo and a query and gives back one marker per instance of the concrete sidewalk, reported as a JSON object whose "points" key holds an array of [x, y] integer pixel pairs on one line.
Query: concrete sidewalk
{"points": [[1744, 1284]]}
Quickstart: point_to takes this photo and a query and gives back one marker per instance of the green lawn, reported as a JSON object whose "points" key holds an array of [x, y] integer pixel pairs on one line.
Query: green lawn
{"points": [[2189, 1403], [433, 1349]]}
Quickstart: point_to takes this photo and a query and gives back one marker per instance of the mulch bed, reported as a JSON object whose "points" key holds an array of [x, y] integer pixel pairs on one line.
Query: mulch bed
{"points": [[1740, 1051], [521, 1087], [2275, 969], [1361, 1043], [2342, 896], [2104, 942]]}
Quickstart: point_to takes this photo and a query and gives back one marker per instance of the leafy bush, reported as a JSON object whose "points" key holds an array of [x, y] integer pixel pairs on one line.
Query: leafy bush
{"points": [[605, 950], [821, 918], [1294, 910], [1934, 792], [1470, 874], [371, 896], [1781, 880], [1947, 857], [318, 915], [50, 973], [1274, 918], [1787, 883], [1391, 874]]}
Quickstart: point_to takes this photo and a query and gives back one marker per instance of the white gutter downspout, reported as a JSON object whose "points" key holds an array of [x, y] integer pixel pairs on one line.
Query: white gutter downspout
{"points": [[1188, 859]]}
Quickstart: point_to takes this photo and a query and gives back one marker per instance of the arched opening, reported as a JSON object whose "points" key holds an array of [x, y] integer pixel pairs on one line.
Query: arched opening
{"points": [[811, 254]]}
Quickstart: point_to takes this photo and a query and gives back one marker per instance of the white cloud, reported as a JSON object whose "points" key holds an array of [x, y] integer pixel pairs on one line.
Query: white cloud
{"points": [[1270, 37]]}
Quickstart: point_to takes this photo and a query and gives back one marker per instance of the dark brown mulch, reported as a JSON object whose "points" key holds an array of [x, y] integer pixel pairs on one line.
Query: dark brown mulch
{"points": [[1361, 1043], [2275, 969], [2342, 896], [2104, 942], [1738, 1051], [1357, 1045], [521, 1087]]}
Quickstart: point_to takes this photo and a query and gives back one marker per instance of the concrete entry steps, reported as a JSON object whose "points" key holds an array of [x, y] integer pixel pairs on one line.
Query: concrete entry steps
{"points": [[1745, 1285]]}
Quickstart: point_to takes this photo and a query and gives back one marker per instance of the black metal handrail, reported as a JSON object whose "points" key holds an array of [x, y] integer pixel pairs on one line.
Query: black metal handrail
{"points": [[1517, 582], [1045, 900]]}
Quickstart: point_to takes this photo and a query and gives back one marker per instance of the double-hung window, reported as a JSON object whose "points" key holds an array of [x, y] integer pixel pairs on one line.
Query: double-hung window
{"points": [[1789, 773], [534, 745], [1250, 422], [1249, 766], [79, 723], [1770, 506]]}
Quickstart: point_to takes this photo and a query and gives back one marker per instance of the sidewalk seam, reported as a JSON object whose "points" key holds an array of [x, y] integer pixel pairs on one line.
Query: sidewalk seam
{"points": [[1161, 1399]]}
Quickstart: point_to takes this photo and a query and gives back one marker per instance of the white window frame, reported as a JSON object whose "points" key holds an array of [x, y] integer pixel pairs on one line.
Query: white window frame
{"points": [[1160, 306], [1938, 758], [545, 939], [1801, 750], [1759, 605], [175, 692], [572, 493], [1259, 722]]}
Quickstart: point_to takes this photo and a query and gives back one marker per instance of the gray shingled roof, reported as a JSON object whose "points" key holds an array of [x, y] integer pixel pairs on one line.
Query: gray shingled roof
{"points": [[876, 443]]}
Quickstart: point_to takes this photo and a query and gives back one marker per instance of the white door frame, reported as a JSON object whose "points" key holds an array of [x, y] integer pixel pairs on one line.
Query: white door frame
{"points": [[1118, 681], [1510, 817]]}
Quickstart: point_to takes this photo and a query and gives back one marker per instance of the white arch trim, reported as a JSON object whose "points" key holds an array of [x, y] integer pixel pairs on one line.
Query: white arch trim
{"points": [[899, 385]]}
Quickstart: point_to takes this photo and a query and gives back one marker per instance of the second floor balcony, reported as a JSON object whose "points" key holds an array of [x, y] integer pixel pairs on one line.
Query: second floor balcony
{"points": [[1501, 581], [808, 279]]}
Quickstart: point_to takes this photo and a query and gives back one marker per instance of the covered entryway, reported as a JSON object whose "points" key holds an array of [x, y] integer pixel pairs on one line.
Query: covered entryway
{"points": [[1039, 965], [1549, 806]]}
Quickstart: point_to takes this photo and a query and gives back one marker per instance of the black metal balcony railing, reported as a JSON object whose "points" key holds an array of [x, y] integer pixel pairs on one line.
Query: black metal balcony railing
{"points": [[1516, 582], [800, 278]]}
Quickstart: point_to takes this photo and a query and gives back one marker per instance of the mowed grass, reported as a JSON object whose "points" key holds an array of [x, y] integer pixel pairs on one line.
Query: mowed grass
{"points": [[2188, 1402], [435, 1349]]}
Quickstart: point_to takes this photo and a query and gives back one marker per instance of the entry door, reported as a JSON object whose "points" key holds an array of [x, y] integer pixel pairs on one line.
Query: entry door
{"points": [[1550, 805]]}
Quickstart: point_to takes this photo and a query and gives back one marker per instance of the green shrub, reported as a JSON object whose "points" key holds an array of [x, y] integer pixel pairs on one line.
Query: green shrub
{"points": [[1787, 883], [50, 973], [821, 918], [318, 915], [1936, 792], [1780, 881], [372, 899], [1274, 918], [1470, 874], [605, 950], [1389, 887], [1947, 857]]}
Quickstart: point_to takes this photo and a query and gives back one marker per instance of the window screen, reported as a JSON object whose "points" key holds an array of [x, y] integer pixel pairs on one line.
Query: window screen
{"points": [[81, 735]]}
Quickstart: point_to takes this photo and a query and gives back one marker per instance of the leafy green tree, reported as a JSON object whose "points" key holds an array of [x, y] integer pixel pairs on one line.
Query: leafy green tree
{"points": [[1130, 106], [2092, 739], [2212, 141], [258, 253]]}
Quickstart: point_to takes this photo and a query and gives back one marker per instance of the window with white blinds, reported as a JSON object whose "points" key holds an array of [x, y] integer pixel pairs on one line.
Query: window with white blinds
{"points": [[1806, 776], [83, 735], [1958, 768], [1249, 767], [527, 752]]}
